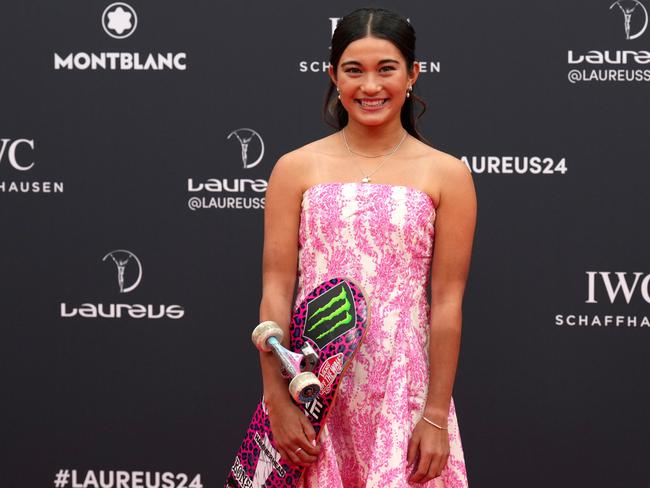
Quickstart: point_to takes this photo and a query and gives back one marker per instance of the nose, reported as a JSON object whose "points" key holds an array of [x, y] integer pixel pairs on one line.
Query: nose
{"points": [[371, 86]]}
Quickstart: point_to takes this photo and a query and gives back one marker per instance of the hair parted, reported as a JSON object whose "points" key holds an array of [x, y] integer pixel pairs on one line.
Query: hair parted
{"points": [[382, 24]]}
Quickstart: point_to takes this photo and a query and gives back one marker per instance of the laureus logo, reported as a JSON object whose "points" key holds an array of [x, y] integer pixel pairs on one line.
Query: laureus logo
{"points": [[121, 258], [247, 138], [128, 279], [119, 20], [630, 8]]}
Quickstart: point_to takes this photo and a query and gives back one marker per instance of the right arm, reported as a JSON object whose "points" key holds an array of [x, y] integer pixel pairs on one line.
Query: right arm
{"points": [[290, 426]]}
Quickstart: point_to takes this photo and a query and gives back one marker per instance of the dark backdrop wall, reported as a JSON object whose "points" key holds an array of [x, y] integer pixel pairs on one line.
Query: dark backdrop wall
{"points": [[133, 164]]}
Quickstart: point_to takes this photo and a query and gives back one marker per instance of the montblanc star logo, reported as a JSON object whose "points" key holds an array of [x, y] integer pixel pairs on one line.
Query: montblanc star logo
{"points": [[119, 20]]}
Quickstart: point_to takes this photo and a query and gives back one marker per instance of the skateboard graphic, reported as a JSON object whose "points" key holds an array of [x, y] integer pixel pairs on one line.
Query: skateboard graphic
{"points": [[326, 330]]}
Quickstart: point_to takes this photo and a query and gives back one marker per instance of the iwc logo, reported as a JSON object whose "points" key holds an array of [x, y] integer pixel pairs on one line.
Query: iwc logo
{"points": [[122, 257], [119, 20], [630, 8], [615, 296], [18, 156]]}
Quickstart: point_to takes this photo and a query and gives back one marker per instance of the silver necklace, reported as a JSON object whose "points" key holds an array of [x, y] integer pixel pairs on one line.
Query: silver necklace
{"points": [[366, 177]]}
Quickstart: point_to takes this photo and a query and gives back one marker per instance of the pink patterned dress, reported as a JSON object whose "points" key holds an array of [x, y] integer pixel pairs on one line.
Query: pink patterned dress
{"points": [[381, 237]]}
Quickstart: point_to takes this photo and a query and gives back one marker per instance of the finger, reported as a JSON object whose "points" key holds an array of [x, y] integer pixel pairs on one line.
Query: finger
{"points": [[308, 429], [308, 442], [307, 447], [438, 465], [412, 451], [433, 470], [305, 457], [294, 459], [443, 464], [423, 467]]}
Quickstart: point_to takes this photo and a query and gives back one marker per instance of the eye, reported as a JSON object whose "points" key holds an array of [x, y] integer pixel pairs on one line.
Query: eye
{"points": [[352, 70], [387, 68]]}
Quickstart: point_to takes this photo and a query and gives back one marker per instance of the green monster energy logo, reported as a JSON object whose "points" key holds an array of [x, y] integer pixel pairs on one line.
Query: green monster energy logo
{"points": [[321, 315]]}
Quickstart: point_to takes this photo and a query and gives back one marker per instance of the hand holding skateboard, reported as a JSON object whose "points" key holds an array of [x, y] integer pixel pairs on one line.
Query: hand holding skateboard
{"points": [[304, 385], [325, 332]]}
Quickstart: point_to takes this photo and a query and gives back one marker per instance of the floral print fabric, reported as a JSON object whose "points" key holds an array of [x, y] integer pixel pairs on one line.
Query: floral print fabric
{"points": [[381, 237]]}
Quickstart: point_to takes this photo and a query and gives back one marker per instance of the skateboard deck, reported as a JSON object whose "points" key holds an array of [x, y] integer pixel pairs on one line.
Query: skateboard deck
{"points": [[333, 319]]}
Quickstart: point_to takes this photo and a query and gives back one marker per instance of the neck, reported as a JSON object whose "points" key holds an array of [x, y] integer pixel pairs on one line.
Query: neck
{"points": [[373, 140]]}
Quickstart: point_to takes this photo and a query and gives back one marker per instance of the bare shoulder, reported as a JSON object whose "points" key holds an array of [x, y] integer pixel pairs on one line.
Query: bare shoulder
{"points": [[441, 172], [440, 162], [297, 168]]}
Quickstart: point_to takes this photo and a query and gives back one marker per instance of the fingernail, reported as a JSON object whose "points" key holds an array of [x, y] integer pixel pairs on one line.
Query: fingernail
{"points": [[313, 443]]}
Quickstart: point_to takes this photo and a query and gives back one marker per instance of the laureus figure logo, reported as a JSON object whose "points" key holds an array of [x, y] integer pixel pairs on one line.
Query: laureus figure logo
{"points": [[121, 257], [245, 137], [628, 7]]}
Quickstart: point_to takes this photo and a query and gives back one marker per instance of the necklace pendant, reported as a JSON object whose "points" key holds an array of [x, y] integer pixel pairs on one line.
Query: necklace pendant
{"points": [[365, 179]]}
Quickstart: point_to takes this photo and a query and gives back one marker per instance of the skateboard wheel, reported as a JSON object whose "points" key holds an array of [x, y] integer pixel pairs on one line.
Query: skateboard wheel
{"points": [[304, 387], [263, 331]]}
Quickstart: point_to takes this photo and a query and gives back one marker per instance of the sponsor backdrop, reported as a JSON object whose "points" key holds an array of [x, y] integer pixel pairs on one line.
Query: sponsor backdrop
{"points": [[136, 141]]}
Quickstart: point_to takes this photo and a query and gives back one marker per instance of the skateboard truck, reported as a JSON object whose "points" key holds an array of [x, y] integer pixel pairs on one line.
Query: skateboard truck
{"points": [[304, 386]]}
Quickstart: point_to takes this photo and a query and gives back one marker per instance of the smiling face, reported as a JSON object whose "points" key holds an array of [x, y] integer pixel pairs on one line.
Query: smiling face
{"points": [[373, 78]]}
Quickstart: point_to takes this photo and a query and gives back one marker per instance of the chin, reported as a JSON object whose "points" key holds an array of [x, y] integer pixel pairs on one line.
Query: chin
{"points": [[372, 120]]}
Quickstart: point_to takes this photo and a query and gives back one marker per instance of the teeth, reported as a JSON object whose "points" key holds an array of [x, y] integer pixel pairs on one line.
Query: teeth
{"points": [[372, 104]]}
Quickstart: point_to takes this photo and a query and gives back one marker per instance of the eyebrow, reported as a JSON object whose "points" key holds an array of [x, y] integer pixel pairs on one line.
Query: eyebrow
{"points": [[357, 63]]}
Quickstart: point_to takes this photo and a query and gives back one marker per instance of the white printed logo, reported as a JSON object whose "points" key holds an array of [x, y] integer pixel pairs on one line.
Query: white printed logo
{"points": [[628, 7], [322, 66], [622, 284], [245, 138], [233, 193], [314, 409], [119, 20], [121, 257], [124, 261], [268, 460], [10, 147], [331, 368], [616, 294], [19, 154]]}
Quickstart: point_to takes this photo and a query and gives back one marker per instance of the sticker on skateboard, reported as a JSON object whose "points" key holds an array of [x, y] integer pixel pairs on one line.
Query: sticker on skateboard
{"points": [[325, 332]]}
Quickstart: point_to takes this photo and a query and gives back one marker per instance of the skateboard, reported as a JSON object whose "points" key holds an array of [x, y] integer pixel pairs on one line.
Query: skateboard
{"points": [[326, 330]]}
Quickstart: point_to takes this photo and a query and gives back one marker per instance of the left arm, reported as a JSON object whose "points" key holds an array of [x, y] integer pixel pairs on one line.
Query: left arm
{"points": [[454, 235]]}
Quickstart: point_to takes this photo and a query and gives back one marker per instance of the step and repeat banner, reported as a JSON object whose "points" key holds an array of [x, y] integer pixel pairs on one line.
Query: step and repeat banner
{"points": [[136, 142]]}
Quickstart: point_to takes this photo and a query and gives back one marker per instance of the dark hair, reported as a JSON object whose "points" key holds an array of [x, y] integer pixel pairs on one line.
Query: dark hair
{"points": [[382, 24]]}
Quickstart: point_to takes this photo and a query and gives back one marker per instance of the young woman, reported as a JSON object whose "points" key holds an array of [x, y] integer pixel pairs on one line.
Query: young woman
{"points": [[364, 203]]}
